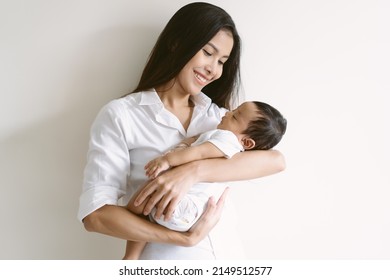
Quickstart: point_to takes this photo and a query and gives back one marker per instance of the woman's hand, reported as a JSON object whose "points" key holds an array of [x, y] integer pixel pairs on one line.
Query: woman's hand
{"points": [[208, 220], [165, 191]]}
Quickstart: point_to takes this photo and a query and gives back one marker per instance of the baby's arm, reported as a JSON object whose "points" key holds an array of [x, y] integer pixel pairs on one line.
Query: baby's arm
{"points": [[156, 166], [159, 164], [188, 141], [202, 151], [184, 144], [179, 157]]}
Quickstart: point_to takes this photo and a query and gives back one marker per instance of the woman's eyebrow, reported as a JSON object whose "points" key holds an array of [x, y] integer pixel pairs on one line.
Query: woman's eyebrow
{"points": [[215, 48]]}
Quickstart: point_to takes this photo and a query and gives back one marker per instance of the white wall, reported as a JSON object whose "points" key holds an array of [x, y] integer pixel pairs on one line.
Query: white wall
{"points": [[324, 64]]}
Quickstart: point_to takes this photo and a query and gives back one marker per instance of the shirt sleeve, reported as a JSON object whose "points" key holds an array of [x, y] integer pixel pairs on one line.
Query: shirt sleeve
{"points": [[226, 141], [108, 161]]}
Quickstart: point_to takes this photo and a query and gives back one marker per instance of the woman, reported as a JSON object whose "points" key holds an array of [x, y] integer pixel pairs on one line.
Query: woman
{"points": [[191, 76]]}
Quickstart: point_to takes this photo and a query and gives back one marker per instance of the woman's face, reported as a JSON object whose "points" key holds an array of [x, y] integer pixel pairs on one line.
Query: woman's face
{"points": [[206, 65]]}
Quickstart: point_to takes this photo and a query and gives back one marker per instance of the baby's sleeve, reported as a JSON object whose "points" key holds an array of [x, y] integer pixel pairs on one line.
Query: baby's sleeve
{"points": [[226, 141]]}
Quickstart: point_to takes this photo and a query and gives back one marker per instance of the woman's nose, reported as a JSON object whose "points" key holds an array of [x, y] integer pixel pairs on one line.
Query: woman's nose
{"points": [[211, 68]]}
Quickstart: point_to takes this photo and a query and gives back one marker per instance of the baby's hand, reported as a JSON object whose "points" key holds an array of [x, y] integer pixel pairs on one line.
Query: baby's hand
{"points": [[156, 166]]}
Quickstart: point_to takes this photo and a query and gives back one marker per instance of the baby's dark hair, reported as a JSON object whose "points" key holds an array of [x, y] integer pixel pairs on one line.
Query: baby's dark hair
{"points": [[268, 128]]}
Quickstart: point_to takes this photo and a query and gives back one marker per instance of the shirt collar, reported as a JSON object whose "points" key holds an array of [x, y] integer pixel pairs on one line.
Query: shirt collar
{"points": [[151, 97], [201, 100]]}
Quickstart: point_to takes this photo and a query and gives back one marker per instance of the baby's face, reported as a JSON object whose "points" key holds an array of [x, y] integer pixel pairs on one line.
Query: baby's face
{"points": [[238, 120]]}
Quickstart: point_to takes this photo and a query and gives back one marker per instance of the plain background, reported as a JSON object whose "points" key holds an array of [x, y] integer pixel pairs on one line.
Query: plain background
{"points": [[324, 64]]}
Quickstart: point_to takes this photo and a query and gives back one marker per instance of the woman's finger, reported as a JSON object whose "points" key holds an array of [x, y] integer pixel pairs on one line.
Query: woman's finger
{"points": [[170, 208], [153, 200], [214, 209], [146, 191], [206, 222], [222, 199], [160, 207]]}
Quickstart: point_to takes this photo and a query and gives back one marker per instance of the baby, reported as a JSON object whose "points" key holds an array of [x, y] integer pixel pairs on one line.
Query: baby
{"points": [[253, 125]]}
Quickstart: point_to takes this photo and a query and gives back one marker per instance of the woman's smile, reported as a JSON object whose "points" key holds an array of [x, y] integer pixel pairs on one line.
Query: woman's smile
{"points": [[203, 80]]}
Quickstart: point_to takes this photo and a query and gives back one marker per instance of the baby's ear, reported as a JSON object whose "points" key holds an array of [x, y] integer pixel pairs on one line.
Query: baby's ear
{"points": [[247, 143]]}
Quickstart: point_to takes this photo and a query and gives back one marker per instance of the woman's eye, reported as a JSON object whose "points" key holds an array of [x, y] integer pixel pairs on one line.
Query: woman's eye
{"points": [[220, 62], [206, 53]]}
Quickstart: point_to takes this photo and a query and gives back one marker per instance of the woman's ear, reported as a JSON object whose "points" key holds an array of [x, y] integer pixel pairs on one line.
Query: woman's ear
{"points": [[247, 143]]}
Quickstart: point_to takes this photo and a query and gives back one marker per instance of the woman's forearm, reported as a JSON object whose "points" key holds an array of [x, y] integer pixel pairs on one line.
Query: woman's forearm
{"points": [[243, 166], [118, 222], [165, 191]]}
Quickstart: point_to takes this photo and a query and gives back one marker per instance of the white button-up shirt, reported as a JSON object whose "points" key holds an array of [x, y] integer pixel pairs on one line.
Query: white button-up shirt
{"points": [[126, 134]]}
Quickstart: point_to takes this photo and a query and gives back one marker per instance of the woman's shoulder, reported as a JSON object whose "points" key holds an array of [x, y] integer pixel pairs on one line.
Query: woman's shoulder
{"points": [[112, 108], [116, 109], [124, 101], [210, 106], [123, 104], [215, 110]]}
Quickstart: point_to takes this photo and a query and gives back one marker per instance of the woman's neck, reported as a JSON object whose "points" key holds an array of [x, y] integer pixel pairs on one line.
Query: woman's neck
{"points": [[178, 103], [172, 98]]}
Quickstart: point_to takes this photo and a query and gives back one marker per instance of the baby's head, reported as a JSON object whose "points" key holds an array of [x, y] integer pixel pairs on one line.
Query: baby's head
{"points": [[258, 125]]}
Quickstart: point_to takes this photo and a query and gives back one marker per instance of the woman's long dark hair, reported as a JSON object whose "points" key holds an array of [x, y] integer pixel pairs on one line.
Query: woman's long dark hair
{"points": [[191, 28]]}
